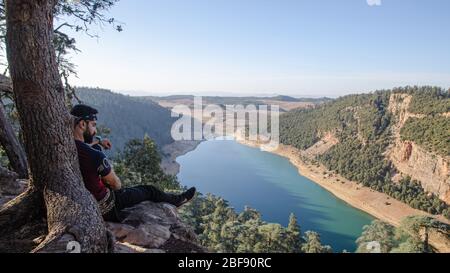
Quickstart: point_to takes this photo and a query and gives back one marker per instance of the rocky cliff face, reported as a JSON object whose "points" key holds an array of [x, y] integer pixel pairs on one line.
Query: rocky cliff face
{"points": [[431, 170], [410, 159], [440, 239]]}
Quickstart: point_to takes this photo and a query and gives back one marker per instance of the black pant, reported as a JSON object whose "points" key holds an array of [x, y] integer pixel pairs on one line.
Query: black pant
{"points": [[129, 197]]}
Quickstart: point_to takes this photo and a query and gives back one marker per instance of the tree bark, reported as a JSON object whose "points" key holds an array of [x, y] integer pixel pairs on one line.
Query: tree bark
{"points": [[12, 146], [72, 212]]}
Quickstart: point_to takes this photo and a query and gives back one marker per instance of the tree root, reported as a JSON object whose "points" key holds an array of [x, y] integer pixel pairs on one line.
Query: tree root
{"points": [[72, 228], [24, 226], [25, 239], [67, 241], [26, 208]]}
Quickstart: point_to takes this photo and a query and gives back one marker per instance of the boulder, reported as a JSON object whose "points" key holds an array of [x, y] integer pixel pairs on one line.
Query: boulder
{"points": [[153, 228]]}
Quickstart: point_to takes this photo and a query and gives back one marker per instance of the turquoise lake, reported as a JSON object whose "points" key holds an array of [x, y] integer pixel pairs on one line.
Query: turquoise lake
{"points": [[247, 176]]}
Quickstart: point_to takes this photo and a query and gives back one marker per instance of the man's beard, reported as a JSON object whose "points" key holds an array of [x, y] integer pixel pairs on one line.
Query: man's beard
{"points": [[88, 138]]}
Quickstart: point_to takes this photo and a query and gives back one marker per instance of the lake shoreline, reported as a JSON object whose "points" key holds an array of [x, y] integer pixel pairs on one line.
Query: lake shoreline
{"points": [[361, 197], [377, 204], [172, 151]]}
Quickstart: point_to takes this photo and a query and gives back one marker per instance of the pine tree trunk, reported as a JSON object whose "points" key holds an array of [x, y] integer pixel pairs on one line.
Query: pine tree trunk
{"points": [[12, 146], [72, 212]]}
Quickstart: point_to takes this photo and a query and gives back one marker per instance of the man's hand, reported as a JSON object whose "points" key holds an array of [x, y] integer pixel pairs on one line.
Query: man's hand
{"points": [[106, 144]]}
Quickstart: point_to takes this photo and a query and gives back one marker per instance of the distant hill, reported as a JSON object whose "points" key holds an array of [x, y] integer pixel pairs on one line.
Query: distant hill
{"points": [[129, 117], [286, 103], [284, 98], [394, 141]]}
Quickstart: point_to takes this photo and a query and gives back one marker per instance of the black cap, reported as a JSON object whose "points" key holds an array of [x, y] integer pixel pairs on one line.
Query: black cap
{"points": [[84, 112]]}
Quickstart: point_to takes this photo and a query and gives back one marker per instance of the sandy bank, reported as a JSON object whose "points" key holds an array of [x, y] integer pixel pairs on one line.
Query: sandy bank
{"points": [[377, 204]]}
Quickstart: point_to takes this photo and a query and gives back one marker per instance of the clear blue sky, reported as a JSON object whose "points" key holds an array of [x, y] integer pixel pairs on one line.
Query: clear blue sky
{"points": [[292, 47]]}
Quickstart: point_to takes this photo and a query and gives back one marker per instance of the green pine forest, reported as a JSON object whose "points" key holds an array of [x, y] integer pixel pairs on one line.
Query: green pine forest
{"points": [[363, 125]]}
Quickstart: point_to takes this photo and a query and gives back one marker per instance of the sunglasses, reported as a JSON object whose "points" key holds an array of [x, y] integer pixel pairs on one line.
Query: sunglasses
{"points": [[92, 117]]}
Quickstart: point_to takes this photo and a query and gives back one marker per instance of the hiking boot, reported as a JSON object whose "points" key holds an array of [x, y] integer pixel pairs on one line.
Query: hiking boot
{"points": [[186, 197]]}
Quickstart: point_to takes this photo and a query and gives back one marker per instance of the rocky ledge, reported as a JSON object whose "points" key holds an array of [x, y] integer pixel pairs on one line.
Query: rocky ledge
{"points": [[154, 228], [147, 228]]}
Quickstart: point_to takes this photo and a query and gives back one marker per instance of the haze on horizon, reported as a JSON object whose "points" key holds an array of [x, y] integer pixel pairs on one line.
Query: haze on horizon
{"points": [[289, 47]]}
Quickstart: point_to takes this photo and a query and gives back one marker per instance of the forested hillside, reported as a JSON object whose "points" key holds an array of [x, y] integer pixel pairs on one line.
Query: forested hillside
{"points": [[365, 126], [128, 117], [428, 100], [431, 132]]}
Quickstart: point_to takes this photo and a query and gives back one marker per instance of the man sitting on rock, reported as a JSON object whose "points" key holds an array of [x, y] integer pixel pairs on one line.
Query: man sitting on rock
{"points": [[100, 178]]}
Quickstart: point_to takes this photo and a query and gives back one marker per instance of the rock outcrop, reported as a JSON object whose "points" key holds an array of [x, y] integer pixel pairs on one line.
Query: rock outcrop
{"points": [[322, 146], [440, 239], [170, 152], [10, 186], [154, 228], [431, 169]]}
